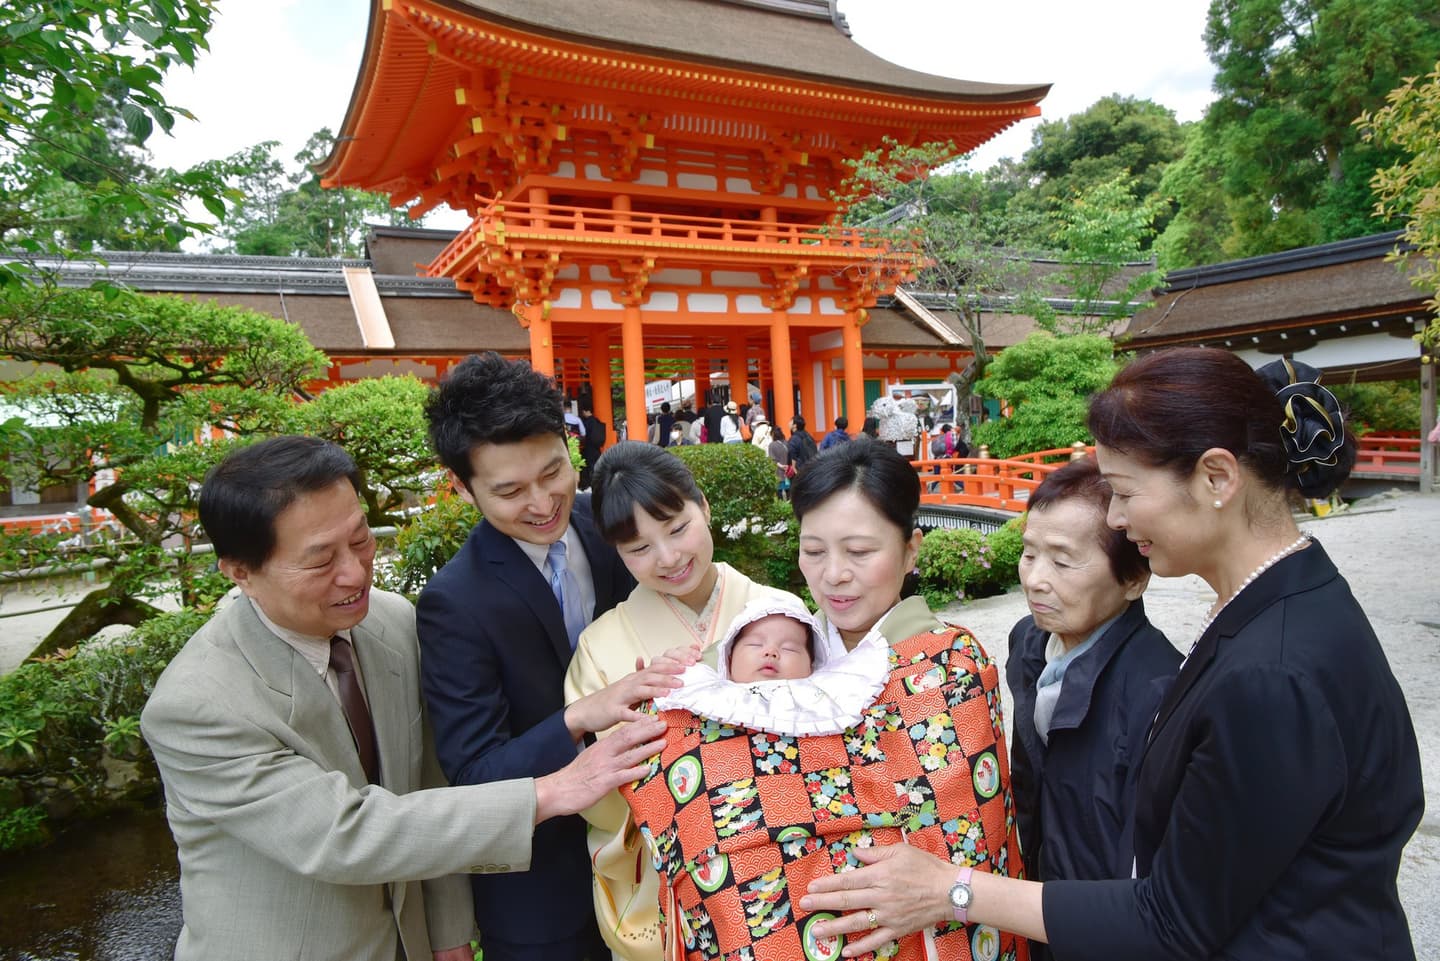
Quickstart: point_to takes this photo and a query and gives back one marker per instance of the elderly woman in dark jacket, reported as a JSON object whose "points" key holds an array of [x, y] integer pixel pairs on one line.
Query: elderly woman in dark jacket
{"points": [[1086, 672]]}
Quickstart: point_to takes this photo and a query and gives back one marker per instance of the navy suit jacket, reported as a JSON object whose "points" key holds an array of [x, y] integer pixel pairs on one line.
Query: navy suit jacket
{"points": [[1279, 786], [493, 658]]}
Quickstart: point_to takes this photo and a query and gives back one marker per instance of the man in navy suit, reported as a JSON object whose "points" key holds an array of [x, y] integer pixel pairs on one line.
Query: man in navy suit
{"points": [[495, 639]]}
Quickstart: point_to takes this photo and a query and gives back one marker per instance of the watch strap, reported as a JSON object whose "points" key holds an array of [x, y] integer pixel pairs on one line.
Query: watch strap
{"points": [[963, 878]]}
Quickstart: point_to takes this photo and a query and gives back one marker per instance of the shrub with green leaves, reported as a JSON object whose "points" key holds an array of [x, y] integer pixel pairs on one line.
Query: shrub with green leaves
{"points": [[963, 563], [60, 716]]}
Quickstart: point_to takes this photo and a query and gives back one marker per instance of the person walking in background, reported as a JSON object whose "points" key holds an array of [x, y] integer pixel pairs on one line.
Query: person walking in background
{"points": [[730, 425], [755, 413], [663, 423], [801, 446], [779, 452], [310, 817], [1280, 779], [714, 414], [592, 443], [837, 436], [497, 627], [870, 429]]}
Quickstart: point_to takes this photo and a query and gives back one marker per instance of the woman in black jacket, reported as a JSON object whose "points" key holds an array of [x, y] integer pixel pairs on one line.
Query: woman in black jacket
{"points": [[1280, 780], [1086, 671]]}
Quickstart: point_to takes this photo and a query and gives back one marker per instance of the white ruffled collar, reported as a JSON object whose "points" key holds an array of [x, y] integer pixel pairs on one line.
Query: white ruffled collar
{"points": [[829, 701]]}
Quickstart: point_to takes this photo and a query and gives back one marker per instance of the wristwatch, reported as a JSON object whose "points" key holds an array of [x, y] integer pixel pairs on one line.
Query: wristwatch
{"points": [[960, 894]]}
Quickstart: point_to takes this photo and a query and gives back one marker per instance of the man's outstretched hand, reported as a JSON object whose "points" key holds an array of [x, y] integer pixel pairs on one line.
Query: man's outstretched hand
{"points": [[599, 769]]}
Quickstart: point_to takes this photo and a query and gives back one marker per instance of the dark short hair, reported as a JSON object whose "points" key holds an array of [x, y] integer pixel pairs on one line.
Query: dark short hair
{"points": [[874, 471], [1081, 481], [798, 421], [841, 423], [1169, 407], [486, 399], [944, 428], [636, 474], [871, 426], [244, 493], [665, 407]]}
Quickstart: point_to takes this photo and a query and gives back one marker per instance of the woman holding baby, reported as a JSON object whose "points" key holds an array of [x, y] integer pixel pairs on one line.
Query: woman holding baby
{"points": [[895, 734]]}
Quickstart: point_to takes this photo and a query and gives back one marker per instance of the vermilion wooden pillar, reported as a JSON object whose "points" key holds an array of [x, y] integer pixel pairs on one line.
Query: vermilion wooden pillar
{"points": [[600, 382], [542, 344], [780, 366], [854, 361], [806, 367], [632, 346], [739, 369]]}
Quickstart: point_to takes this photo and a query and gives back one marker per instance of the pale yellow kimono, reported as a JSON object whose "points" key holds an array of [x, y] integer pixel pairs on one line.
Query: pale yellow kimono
{"points": [[646, 624]]}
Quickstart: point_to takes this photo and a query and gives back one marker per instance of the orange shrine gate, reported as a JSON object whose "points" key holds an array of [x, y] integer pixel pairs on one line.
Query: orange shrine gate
{"points": [[655, 179]]}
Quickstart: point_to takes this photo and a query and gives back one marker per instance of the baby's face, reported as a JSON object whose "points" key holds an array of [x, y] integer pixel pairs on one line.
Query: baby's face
{"points": [[773, 648]]}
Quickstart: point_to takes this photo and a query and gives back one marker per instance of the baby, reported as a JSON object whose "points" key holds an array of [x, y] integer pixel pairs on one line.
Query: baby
{"points": [[777, 671], [773, 647]]}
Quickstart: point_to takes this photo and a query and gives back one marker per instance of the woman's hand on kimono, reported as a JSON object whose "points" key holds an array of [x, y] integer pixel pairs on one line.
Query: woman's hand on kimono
{"points": [[898, 891], [617, 702]]}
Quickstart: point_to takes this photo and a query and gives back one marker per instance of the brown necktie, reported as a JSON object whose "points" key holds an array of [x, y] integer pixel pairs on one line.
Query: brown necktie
{"points": [[342, 662]]}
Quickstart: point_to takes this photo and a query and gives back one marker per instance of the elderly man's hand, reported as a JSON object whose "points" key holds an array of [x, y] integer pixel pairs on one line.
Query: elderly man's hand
{"points": [[601, 768]]}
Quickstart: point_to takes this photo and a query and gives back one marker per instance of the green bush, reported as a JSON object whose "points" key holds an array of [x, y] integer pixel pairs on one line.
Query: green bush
{"points": [[424, 545], [59, 716], [1380, 407], [737, 479], [962, 563], [23, 828]]}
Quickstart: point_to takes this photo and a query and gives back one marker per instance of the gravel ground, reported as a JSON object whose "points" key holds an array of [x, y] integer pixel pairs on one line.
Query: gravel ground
{"points": [[1386, 547]]}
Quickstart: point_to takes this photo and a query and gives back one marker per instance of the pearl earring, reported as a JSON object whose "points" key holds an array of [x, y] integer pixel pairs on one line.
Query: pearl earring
{"points": [[1218, 505]]}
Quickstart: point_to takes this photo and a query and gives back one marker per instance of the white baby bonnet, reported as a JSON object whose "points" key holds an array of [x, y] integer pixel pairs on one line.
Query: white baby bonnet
{"points": [[841, 685]]}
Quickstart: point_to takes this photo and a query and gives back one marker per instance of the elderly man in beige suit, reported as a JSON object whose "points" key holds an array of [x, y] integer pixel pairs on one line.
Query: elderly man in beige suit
{"points": [[310, 815]]}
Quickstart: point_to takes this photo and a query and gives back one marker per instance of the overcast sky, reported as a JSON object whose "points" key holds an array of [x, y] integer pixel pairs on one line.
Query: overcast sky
{"points": [[282, 69]]}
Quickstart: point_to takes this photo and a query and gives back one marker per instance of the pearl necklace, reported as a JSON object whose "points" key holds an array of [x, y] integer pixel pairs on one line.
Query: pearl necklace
{"points": [[1279, 555]]}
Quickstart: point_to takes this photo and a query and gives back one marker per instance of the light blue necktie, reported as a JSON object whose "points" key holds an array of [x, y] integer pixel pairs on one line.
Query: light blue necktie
{"points": [[567, 592]]}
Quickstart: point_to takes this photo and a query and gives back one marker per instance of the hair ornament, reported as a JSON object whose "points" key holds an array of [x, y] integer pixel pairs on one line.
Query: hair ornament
{"points": [[1313, 431]]}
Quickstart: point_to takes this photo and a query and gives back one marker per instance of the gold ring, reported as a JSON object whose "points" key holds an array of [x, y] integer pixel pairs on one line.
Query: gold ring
{"points": [[870, 916]]}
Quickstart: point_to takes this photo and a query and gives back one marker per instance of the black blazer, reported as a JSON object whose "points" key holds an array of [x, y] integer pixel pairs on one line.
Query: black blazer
{"points": [[493, 658], [1074, 796], [1278, 789]]}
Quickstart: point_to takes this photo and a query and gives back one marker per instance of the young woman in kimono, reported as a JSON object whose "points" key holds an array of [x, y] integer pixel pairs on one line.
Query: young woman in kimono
{"points": [[647, 504]]}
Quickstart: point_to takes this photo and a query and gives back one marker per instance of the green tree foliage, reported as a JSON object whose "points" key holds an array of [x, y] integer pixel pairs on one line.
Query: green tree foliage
{"points": [[1102, 230], [124, 407], [381, 423], [955, 224], [1048, 381], [1409, 189], [1380, 406], [1291, 76], [284, 214], [1114, 137], [1198, 231], [66, 68]]}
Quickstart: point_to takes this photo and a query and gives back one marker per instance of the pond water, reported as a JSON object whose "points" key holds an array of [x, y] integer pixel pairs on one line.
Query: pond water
{"points": [[106, 890]]}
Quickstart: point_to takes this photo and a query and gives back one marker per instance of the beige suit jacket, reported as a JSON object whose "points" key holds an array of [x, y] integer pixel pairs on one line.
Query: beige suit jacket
{"points": [[285, 850]]}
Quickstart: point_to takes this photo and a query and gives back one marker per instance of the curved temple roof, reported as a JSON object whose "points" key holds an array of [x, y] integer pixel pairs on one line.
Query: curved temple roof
{"points": [[780, 37]]}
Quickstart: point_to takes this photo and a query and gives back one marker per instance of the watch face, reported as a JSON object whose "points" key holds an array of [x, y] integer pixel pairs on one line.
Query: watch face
{"points": [[960, 896]]}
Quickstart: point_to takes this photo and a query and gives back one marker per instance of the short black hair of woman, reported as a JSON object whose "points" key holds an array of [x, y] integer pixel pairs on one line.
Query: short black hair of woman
{"points": [[244, 493], [1080, 481], [486, 399], [882, 477], [636, 474]]}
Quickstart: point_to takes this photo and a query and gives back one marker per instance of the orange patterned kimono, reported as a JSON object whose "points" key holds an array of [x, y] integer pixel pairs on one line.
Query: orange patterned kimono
{"points": [[740, 821]]}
